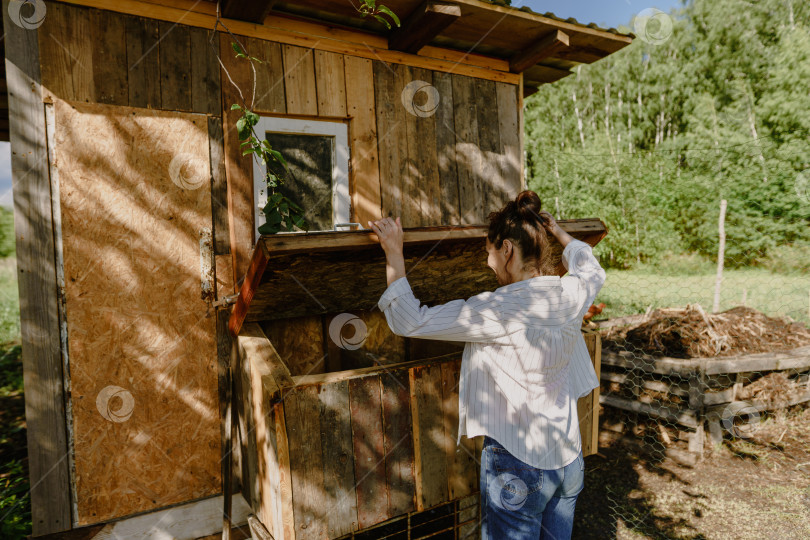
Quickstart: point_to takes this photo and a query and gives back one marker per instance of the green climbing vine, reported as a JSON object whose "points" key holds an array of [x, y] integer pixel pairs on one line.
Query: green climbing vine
{"points": [[280, 213]]}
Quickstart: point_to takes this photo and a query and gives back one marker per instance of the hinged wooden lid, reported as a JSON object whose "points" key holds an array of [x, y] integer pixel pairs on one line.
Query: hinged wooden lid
{"points": [[291, 275]]}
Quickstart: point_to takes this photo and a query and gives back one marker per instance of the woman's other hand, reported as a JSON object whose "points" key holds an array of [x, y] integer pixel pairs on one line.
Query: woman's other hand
{"points": [[389, 233], [549, 223]]}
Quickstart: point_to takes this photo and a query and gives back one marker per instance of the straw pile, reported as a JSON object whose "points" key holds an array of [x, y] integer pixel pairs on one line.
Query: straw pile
{"points": [[690, 332]]}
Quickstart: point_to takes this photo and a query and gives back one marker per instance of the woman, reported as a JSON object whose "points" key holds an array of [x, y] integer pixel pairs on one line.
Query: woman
{"points": [[524, 365]]}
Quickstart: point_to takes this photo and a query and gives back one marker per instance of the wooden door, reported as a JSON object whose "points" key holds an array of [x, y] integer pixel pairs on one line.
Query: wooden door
{"points": [[135, 201]]}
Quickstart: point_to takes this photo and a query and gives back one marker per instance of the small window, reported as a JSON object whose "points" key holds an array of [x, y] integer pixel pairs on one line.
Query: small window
{"points": [[317, 155]]}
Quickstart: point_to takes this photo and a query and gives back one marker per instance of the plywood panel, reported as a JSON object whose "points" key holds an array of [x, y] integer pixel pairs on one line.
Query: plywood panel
{"points": [[299, 342], [142, 349], [299, 80], [364, 175], [361, 338]]}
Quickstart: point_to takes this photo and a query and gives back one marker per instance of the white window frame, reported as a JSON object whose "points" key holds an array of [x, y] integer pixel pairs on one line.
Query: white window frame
{"points": [[339, 131]]}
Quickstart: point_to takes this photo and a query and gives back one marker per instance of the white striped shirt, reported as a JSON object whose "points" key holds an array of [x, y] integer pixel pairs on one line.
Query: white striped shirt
{"points": [[525, 363]]}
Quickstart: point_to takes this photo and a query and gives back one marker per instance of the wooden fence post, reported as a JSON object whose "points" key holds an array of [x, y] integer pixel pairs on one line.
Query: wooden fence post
{"points": [[720, 257]]}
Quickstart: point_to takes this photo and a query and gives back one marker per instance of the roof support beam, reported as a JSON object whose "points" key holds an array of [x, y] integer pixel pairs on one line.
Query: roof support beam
{"points": [[247, 10], [425, 23], [545, 47]]}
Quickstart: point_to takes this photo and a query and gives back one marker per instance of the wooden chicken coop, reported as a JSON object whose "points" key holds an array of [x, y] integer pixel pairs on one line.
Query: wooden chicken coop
{"points": [[136, 218]]}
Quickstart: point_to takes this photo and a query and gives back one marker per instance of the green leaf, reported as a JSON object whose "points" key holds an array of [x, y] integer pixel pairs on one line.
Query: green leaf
{"points": [[239, 52], [236, 107], [390, 13], [269, 229], [383, 20], [242, 128], [252, 117]]}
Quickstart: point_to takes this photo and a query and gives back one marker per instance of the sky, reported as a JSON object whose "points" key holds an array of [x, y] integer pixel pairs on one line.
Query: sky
{"points": [[605, 13]]}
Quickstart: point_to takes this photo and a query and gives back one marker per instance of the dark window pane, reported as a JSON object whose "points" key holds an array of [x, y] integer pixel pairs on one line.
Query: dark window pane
{"points": [[309, 181]]}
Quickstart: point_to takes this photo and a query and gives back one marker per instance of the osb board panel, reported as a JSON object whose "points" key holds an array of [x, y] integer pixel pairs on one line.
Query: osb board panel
{"points": [[135, 194], [299, 343]]}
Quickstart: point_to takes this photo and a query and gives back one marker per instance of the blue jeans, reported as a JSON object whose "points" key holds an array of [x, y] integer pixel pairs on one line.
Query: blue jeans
{"points": [[520, 502]]}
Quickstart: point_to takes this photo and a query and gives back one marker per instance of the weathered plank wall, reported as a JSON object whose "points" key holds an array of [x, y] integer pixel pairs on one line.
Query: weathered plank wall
{"points": [[151, 64]]}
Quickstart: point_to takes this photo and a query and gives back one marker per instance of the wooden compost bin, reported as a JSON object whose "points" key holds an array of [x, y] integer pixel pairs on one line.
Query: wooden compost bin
{"points": [[689, 394], [330, 453]]}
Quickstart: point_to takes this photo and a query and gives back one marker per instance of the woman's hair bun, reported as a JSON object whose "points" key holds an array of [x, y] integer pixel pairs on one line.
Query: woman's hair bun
{"points": [[528, 205]]}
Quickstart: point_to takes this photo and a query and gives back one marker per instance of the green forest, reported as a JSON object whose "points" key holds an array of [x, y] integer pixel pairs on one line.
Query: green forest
{"points": [[652, 138]]}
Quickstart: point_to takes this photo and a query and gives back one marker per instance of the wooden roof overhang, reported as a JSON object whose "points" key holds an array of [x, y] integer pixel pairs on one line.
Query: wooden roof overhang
{"points": [[464, 36], [292, 275]]}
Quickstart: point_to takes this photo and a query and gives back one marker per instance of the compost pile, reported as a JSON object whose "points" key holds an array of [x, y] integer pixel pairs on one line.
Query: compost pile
{"points": [[690, 332]]}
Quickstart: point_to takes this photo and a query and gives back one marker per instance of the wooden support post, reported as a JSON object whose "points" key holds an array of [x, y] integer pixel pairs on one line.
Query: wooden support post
{"points": [[36, 273], [697, 393]]}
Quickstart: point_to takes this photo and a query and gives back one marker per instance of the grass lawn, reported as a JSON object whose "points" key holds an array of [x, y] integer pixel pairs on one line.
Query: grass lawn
{"points": [[627, 292]]}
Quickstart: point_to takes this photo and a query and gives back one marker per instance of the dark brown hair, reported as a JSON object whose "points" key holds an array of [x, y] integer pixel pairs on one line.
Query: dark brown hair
{"points": [[520, 221]]}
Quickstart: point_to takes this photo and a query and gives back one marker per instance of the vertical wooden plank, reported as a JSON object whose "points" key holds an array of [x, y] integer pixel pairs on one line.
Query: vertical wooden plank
{"points": [[270, 95], [109, 57], [219, 186], [205, 94], [67, 54], [489, 143], [367, 441], [299, 80], [302, 414], [410, 181], [365, 172], [520, 133], [143, 62], [460, 459], [510, 149], [429, 436], [331, 83], [338, 459], [36, 275], [175, 67], [424, 165], [468, 153], [392, 137], [239, 169], [446, 149], [398, 442], [284, 502], [226, 355]]}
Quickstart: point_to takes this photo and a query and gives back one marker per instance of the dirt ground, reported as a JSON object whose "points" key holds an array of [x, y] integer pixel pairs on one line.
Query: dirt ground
{"points": [[752, 488]]}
